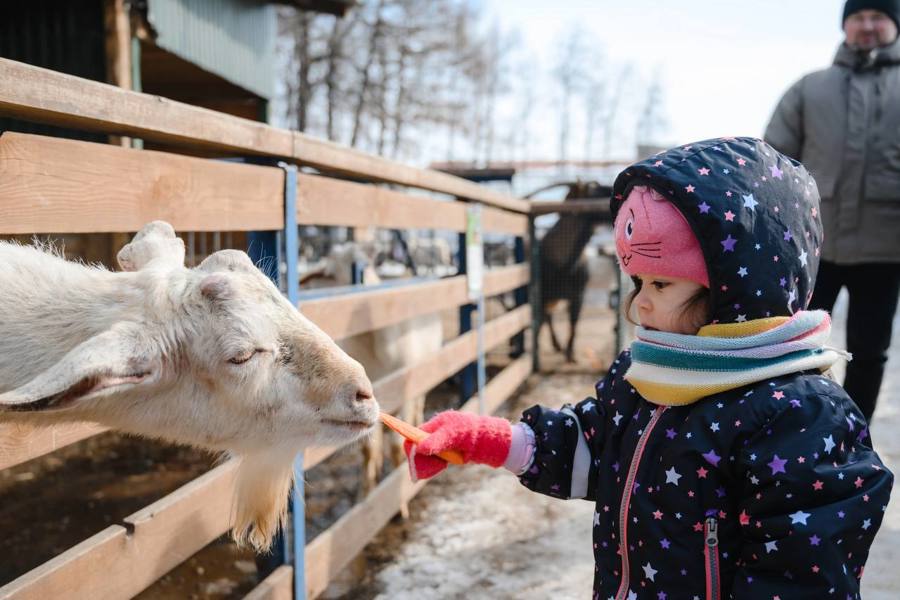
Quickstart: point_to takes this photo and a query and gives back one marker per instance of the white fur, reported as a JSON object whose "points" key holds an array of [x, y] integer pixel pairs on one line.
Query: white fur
{"points": [[148, 351]]}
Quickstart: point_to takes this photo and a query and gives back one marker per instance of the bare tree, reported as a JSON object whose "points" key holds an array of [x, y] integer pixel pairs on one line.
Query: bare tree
{"points": [[652, 122], [569, 72], [374, 33]]}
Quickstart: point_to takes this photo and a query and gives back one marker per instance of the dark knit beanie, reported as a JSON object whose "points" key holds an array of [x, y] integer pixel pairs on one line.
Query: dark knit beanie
{"points": [[889, 7]]}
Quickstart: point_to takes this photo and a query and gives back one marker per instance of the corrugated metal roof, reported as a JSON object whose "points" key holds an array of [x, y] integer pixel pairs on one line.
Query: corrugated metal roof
{"points": [[235, 39]]}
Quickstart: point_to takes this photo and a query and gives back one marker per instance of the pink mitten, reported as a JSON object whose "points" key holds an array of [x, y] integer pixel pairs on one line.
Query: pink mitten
{"points": [[479, 439]]}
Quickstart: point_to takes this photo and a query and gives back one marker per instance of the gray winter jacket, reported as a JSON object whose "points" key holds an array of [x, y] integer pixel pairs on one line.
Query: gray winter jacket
{"points": [[843, 123]]}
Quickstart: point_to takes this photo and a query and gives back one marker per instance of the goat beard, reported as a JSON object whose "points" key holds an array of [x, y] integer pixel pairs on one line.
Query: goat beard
{"points": [[262, 484]]}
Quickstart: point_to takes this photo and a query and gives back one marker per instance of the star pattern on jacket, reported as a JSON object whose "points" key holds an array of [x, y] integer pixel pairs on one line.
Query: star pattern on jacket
{"points": [[779, 472]]}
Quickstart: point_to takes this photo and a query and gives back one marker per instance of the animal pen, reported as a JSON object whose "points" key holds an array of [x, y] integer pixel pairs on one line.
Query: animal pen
{"points": [[220, 173]]}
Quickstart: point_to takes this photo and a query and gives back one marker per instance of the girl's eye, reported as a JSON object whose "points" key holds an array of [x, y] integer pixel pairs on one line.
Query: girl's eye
{"points": [[629, 228], [242, 357], [660, 285]]}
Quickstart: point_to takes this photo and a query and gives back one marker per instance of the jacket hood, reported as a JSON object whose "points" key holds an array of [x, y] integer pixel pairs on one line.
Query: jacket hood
{"points": [[861, 61], [755, 213]]}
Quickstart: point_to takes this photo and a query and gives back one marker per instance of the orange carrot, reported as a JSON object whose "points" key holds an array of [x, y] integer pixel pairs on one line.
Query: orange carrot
{"points": [[416, 435]]}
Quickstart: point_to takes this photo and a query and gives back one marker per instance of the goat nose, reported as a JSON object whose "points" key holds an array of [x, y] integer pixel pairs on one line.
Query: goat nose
{"points": [[364, 392]]}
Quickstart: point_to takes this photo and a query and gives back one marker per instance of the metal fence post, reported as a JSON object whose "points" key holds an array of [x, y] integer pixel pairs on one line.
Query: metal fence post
{"points": [[292, 288], [520, 295], [534, 295], [265, 249], [468, 373]]}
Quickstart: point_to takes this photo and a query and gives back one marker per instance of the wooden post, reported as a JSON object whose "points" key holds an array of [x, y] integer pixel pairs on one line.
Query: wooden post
{"points": [[118, 52], [118, 73]]}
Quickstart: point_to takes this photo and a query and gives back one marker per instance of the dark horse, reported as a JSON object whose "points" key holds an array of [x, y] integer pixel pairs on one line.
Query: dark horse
{"points": [[563, 267]]}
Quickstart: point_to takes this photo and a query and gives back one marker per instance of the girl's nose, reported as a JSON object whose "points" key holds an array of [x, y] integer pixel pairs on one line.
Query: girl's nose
{"points": [[642, 302]]}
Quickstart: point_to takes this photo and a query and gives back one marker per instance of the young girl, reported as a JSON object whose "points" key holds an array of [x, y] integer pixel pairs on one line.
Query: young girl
{"points": [[722, 462]]}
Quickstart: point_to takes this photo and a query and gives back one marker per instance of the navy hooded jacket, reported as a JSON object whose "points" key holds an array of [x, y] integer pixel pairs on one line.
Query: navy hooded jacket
{"points": [[771, 490]]}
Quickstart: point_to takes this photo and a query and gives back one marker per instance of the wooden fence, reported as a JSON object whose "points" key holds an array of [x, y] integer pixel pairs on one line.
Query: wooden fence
{"points": [[53, 185]]}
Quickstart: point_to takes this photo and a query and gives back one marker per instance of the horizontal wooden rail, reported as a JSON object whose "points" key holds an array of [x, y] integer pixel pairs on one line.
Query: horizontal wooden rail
{"points": [[414, 380], [333, 549], [327, 201], [54, 185], [598, 205], [121, 561], [20, 443], [505, 279], [37, 94], [349, 314], [277, 586]]}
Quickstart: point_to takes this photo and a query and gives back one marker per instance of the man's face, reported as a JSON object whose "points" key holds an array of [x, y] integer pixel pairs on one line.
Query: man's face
{"points": [[869, 29]]}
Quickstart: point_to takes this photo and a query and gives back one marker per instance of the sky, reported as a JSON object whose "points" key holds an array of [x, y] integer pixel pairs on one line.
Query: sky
{"points": [[724, 63]]}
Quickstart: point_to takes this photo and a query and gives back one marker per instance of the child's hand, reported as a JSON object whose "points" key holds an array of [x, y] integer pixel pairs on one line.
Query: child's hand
{"points": [[479, 439]]}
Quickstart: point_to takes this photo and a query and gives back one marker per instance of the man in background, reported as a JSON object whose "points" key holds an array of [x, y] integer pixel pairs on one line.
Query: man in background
{"points": [[843, 123]]}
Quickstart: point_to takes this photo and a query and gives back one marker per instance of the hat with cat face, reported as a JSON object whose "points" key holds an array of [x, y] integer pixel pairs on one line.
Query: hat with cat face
{"points": [[654, 238]]}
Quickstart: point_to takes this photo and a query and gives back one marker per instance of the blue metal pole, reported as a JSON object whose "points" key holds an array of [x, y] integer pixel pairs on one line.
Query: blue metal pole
{"points": [[267, 249], [521, 297], [292, 287], [534, 295], [468, 375]]}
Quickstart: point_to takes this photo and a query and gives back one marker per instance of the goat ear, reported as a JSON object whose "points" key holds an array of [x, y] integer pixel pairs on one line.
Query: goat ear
{"points": [[217, 287], [155, 243], [227, 260], [113, 361]]}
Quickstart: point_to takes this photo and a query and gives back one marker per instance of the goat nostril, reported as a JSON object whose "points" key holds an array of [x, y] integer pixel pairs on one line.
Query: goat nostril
{"points": [[364, 396]]}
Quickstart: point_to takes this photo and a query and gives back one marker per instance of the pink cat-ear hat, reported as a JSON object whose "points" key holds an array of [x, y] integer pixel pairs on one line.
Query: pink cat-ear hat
{"points": [[654, 238]]}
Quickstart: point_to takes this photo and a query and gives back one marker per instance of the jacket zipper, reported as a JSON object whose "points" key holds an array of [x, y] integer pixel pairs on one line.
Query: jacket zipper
{"points": [[626, 497], [711, 553]]}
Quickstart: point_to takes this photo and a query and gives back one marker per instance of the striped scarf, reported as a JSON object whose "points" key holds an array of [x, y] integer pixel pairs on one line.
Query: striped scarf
{"points": [[673, 369]]}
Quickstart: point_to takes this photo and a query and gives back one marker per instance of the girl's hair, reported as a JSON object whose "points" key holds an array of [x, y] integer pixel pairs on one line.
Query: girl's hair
{"points": [[695, 307]]}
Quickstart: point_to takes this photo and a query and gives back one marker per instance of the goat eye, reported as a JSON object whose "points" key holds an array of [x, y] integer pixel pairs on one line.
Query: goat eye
{"points": [[242, 357]]}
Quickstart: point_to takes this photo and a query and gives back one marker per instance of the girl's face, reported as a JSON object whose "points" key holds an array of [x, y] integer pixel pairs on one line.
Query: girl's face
{"points": [[665, 304]]}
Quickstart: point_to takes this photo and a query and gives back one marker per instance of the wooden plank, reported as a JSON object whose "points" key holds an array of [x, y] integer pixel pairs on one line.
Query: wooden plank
{"points": [[277, 586], [504, 279], [503, 385], [117, 28], [334, 158], [20, 443], [545, 207], [502, 221], [79, 572], [53, 185], [347, 315], [122, 561], [37, 94], [46, 96], [353, 313], [326, 201], [417, 379], [172, 529], [335, 547]]}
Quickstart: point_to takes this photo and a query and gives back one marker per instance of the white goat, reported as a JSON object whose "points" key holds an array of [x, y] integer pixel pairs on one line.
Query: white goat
{"points": [[382, 351], [212, 356]]}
